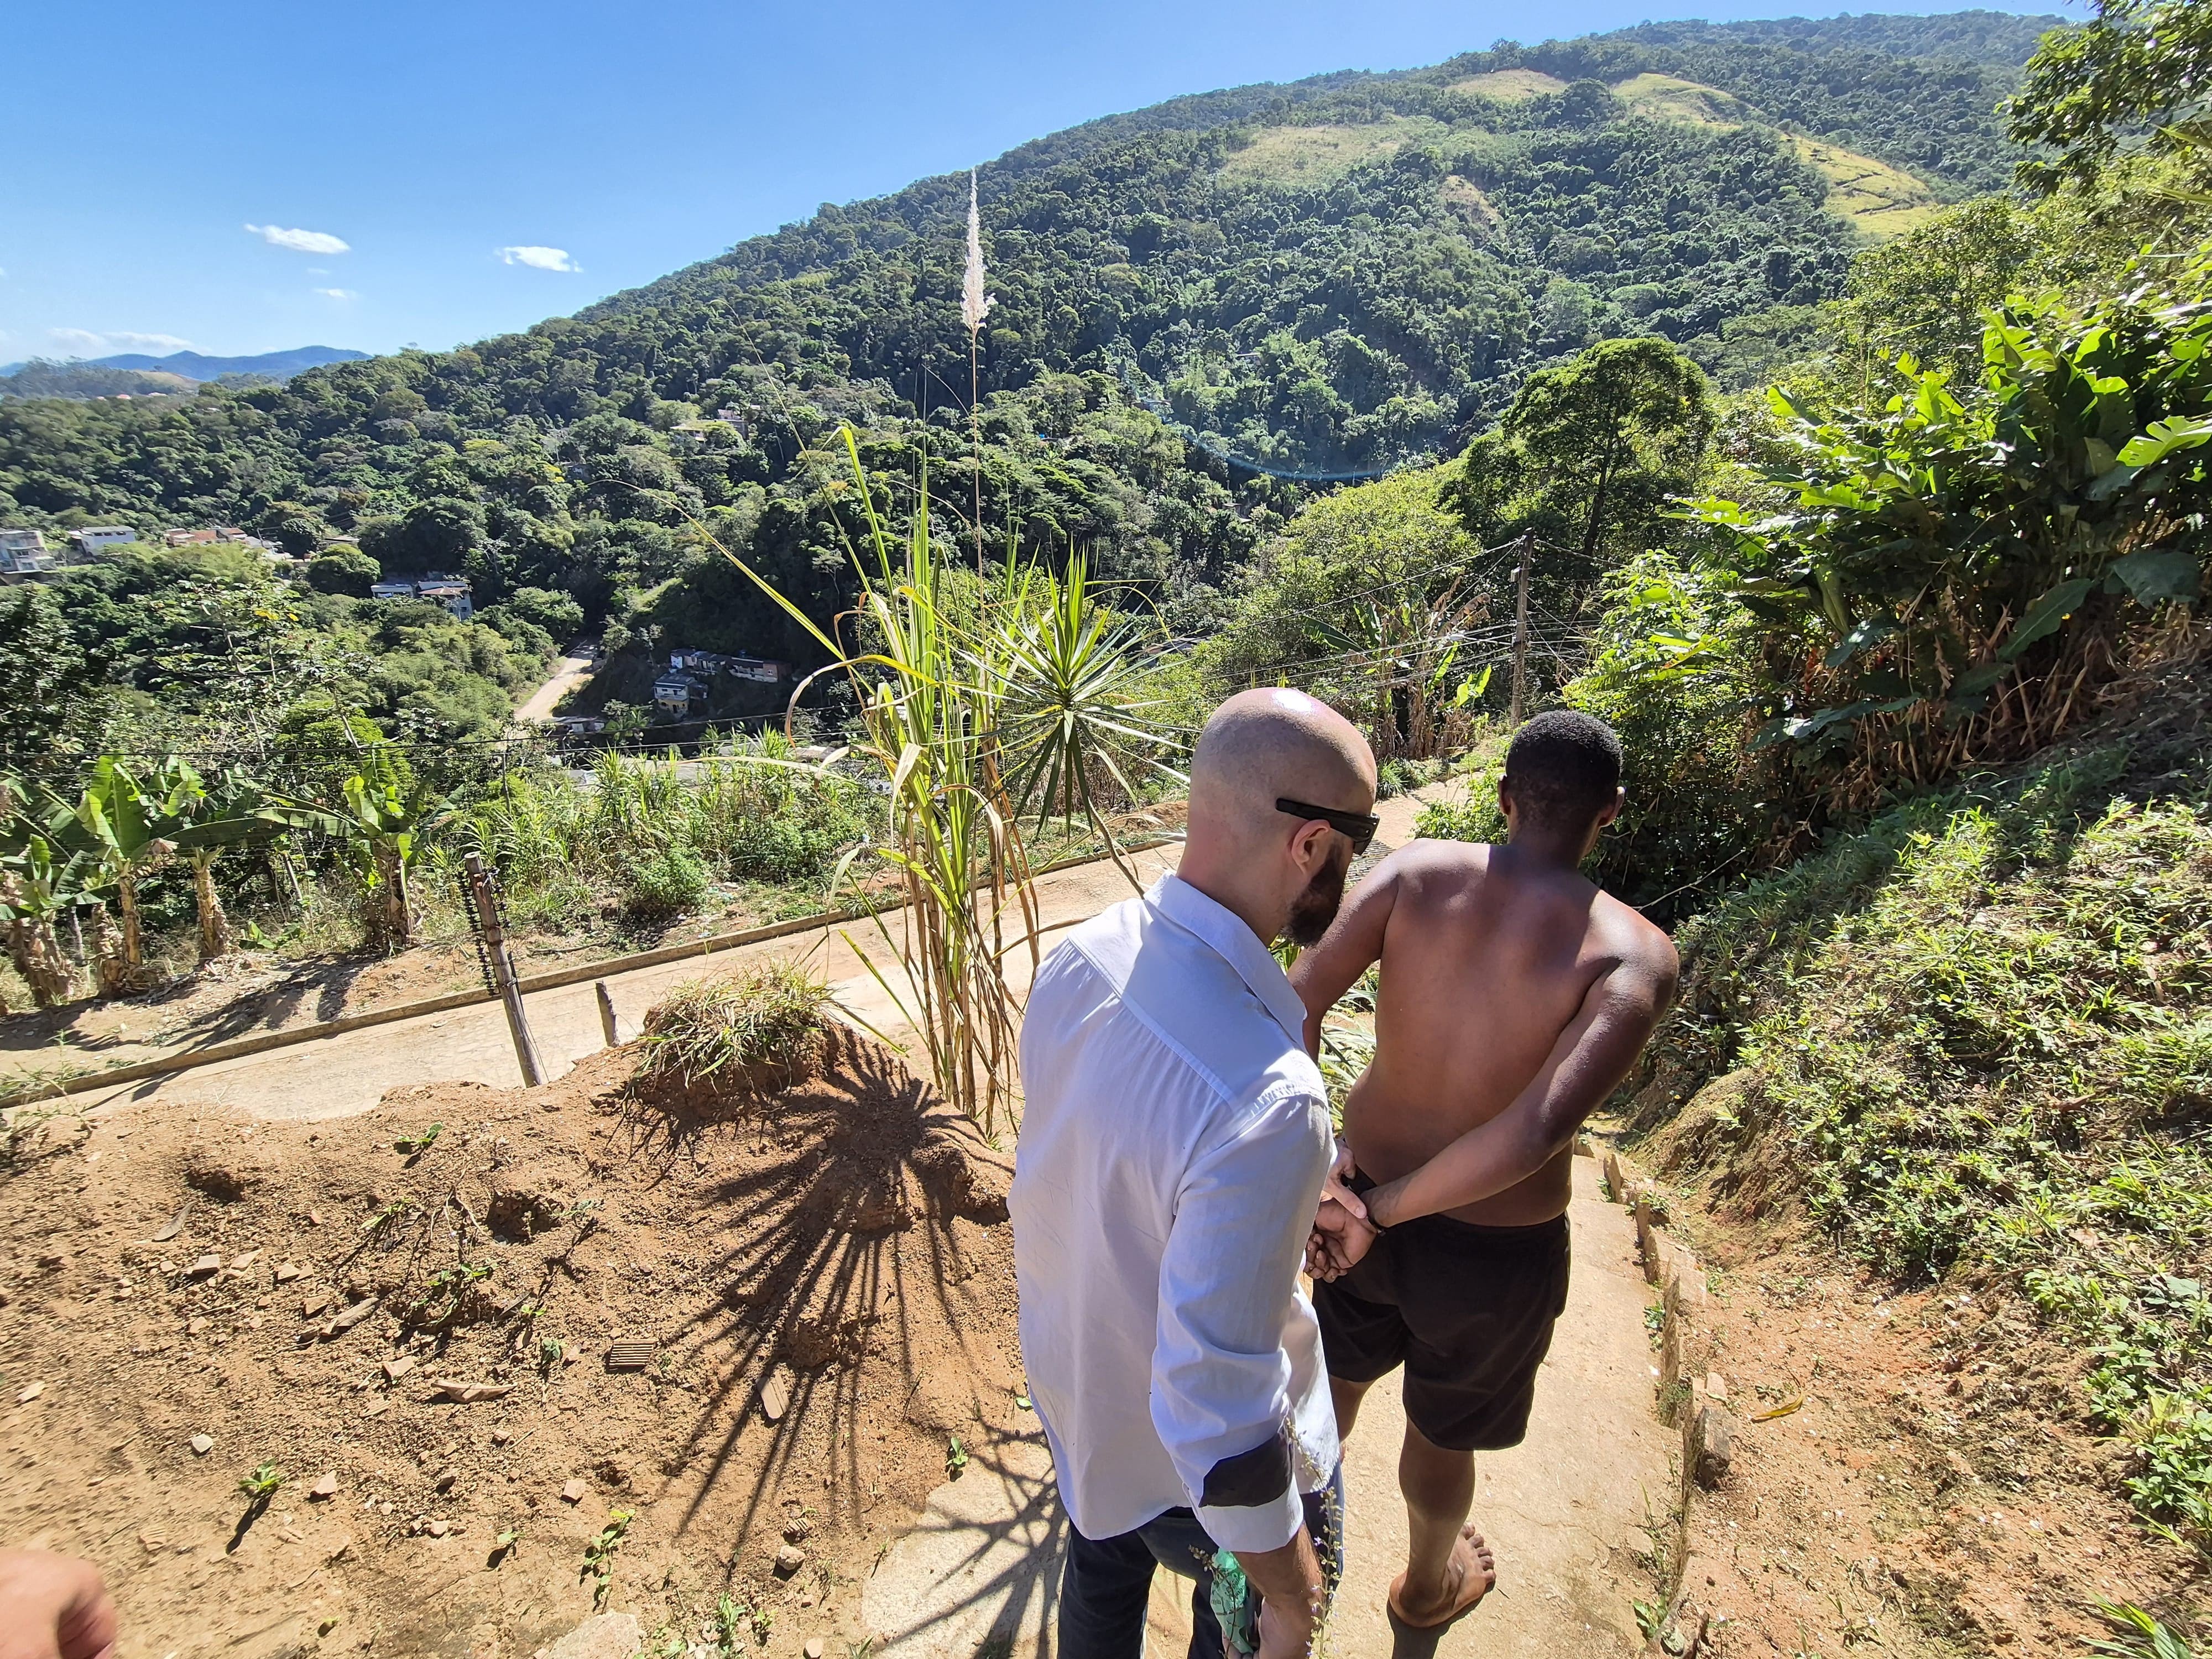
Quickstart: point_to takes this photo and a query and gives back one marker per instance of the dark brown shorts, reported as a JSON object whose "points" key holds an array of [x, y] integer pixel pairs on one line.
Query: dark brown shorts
{"points": [[1467, 1311]]}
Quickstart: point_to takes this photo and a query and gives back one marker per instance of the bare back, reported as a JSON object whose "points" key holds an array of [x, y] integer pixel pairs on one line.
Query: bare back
{"points": [[1487, 958]]}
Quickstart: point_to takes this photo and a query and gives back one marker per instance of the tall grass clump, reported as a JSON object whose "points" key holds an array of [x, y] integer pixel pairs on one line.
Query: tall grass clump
{"points": [[972, 715], [655, 839], [748, 1033]]}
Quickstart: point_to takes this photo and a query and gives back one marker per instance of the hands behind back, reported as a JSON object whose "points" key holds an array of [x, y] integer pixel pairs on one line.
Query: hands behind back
{"points": [[1341, 1232]]}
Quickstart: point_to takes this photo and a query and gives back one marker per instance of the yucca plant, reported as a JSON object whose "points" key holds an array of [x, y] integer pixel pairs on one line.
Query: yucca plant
{"points": [[1073, 707], [972, 721]]}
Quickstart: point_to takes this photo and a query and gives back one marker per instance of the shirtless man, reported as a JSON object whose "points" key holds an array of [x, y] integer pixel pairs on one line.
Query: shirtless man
{"points": [[1514, 997]]}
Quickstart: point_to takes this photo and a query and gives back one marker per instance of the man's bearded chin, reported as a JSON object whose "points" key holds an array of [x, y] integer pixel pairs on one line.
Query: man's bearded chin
{"points": [[1312, 910]]}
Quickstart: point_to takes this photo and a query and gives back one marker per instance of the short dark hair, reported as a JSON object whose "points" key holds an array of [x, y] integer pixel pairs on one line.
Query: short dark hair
{"points": [[1564, 767]]}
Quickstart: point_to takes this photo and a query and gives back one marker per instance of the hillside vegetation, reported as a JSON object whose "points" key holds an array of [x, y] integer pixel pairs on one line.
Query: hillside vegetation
{"points": [[1314, 280], [1971, 1040]]}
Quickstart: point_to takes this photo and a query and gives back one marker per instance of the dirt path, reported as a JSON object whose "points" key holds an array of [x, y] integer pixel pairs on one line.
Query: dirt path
{"points": [[571, 672], [338, 1076], [1565, 1510]]}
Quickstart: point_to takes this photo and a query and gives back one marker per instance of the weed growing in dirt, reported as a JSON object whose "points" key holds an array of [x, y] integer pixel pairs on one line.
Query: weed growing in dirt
{"points": [[956, 1459], [261, 1484], [730, 1615], [417, 1144], [379, 1220], [1979, 1033], [754, 1030], [600, 1555], [445, 1291], [2139, 1636]]}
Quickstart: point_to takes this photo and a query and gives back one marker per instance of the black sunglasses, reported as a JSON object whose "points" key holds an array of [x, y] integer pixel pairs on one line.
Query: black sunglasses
{"points": [[1360, 827]]}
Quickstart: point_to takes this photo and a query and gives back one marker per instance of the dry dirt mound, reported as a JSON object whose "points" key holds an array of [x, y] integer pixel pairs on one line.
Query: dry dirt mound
{"points": [[759, 1330]]}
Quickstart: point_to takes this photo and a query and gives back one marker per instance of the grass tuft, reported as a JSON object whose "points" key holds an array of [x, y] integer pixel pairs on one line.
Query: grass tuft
{"points": [[749, 1033]]}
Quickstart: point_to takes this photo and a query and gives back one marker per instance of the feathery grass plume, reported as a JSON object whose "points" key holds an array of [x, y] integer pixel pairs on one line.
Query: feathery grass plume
{"points": [[974, 306]]}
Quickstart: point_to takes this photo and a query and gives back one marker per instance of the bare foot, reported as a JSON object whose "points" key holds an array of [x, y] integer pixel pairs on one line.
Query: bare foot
{"points": [[1468, 1577]]}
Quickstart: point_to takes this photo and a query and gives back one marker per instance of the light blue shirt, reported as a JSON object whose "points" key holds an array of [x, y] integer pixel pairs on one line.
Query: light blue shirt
{"points": [[1173, 1143]]}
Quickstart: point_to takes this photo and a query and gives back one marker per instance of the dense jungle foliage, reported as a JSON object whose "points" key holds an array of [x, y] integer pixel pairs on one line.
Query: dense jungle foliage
{"points": [[1322, 278]]}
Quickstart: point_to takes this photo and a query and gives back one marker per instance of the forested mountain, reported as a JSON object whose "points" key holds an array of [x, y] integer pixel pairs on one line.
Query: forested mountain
{"points": [[1200, 309], [103, 377]]}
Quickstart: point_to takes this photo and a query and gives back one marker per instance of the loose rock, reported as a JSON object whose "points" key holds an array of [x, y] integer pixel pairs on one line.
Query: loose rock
{"points": [[789, 1560], [575, 1493], [206, 1267], [201, 1444], [605, 1636], [326, 1488], [26, 1396]]}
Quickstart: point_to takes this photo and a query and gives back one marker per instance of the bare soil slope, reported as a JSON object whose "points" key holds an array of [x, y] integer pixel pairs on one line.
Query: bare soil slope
{"points": [[818, 1287]]}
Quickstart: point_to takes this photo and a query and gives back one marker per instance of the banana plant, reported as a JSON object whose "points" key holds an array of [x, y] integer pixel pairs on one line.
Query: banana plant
{"points": [[123, 823], [232, 811], [379, 828], [36, 887]]}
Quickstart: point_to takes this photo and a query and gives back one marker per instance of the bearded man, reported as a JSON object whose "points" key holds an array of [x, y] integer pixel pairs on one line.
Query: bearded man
{"points": [[1173, 1146]]}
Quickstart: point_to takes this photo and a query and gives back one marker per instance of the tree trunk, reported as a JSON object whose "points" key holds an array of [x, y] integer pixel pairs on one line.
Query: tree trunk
{"points": [[109, 972], [38, 958], [389, 916], [215, 939], [134, 942]]}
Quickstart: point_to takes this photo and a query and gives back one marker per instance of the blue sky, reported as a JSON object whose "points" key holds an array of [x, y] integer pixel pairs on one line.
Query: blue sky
{"points": [[243, 177]]}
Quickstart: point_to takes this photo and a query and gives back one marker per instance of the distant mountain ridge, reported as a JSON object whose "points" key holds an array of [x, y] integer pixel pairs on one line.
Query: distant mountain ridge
{"points": [[194, 366]]}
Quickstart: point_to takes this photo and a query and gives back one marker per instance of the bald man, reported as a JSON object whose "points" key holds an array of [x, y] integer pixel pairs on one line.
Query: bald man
{"points": [[1174, 1140]]}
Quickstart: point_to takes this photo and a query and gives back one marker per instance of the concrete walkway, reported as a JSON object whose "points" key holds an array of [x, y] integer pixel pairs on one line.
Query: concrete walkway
{"points": [[1565, 1510], [338, 1076]]}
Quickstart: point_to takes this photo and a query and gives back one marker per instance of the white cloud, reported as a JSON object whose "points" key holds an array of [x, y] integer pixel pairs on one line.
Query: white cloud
{"points": [[299, 241], [539, 259], [337, 294], [85, 343]]}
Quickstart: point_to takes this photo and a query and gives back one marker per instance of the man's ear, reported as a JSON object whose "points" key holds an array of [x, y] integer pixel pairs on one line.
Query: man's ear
{"points": [[1309, 845], [1612, 810]]}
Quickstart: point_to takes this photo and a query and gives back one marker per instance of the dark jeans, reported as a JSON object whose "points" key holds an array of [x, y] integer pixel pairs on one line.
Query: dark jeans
{"points": [[1107, 1581]]}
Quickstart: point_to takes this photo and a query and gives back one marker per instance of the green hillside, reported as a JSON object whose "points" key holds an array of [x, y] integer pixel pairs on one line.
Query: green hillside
{"points": [[1202, 307]]}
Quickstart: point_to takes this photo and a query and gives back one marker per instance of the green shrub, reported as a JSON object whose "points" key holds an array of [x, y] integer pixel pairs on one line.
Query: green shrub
{"points": [[345, 570], [1473, 816], [657, 882]]}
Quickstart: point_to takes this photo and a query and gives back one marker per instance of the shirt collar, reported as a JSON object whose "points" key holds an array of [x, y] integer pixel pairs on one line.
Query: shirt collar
{"points": [[1226, 933]]}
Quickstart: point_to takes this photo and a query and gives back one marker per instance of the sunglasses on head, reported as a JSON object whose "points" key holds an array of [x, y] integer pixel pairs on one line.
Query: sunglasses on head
{"points": [[1360, 827]]}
